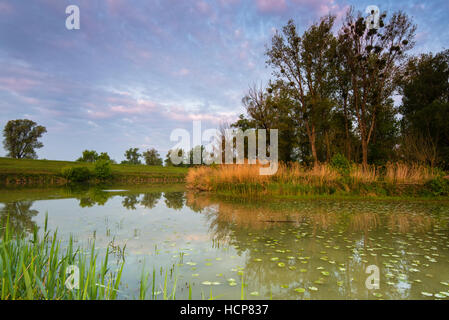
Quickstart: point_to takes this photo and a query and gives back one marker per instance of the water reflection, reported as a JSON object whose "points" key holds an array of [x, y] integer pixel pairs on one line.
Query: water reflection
{"points": [[20, 215], [321, 247], [277, 246], [149, 200], [174, 200]]}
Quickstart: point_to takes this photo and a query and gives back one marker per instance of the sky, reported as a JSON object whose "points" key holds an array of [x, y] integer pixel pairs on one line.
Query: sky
{"points": [[136, 70]]}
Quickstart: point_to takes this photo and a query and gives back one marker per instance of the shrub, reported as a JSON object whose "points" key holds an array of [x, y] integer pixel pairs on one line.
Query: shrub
{"points": [[341, 164], [103, 169], [76, 174], [438, 186]]}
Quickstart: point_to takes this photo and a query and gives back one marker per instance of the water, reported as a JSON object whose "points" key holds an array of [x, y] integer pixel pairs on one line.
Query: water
{"points": [[303, 249]]}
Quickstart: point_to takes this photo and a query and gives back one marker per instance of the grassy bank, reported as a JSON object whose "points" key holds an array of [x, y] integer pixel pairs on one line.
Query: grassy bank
{"points": [[392, 180], [29, 172]]}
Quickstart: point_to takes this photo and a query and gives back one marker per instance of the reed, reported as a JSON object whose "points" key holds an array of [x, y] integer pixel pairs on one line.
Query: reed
{"points": [[295, 179], [35, 269]]}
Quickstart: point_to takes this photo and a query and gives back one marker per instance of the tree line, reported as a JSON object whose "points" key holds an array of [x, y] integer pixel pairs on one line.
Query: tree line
{"points": [[332, 93]]}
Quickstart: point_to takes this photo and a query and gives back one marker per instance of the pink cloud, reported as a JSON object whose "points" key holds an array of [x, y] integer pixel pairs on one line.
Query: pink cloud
{"points": [[271, 5], [182, 115], [322, 7], [17, 84], [141, 107], [6, 8], [203, 6]]}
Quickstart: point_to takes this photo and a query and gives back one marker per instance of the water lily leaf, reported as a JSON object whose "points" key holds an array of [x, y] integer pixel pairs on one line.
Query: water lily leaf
{"points": [[300, 290]]}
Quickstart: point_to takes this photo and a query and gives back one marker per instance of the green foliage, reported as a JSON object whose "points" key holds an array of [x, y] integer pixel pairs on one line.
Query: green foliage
{"points": [[341, 164], [438, 186], [132, 156], [103, 169], [88, 156], [425, 105], [21, 138], [76, 174], [179, 153], [35, 269], [91, 156], [152, 157]]}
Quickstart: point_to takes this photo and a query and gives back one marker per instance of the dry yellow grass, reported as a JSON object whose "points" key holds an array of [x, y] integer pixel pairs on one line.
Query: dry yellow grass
{"points": [[208, 178], [404, 173]]}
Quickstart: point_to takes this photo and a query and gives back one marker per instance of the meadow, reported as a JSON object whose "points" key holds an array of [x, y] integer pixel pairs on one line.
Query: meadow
{"points": [[27, 171]]}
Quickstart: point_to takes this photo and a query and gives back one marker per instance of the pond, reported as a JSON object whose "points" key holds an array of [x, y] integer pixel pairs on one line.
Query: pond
{"points": [[228, 249]]}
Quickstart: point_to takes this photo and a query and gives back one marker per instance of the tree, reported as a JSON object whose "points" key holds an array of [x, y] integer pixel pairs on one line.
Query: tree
{"points": [[21, 138], [132, 156], [88, 156], [152, 157], [424, 86], [270, 107], [178, 152], [105, 156], [373, 58], [304, 63]]}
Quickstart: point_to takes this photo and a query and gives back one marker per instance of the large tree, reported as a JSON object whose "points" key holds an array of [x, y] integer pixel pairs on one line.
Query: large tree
{"points": [[305, 64], [21, 138], [373, 57], [424, 86]]}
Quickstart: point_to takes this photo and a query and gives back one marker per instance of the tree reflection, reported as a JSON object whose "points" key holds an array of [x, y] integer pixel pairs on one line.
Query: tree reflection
{"points": [[150, 200], [130, 201], [20, 215], [174, 200], [91, 196], [303, 237]]}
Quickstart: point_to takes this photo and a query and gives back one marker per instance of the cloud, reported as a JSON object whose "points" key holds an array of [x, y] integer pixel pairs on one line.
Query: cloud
{"points": [[271, 5], [6, 8]]}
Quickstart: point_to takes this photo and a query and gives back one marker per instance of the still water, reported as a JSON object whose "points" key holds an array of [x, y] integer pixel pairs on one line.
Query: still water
{"points": [[289, 249]]}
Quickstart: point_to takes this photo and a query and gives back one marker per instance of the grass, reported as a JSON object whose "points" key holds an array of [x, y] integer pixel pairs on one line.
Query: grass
{"points": [[35, 268], [17, 168], [394, 179]]}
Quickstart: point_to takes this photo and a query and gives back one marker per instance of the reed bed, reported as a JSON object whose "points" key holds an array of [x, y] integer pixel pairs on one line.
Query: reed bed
{"points": [[35, 269], [295, 179]]}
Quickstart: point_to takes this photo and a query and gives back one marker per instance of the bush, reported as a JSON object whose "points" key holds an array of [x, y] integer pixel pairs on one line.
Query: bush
{"points": [[341, 164], [76, 174], [103, 169], [438, 186]]}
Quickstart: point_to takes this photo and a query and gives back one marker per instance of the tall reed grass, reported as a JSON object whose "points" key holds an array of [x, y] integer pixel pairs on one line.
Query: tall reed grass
{"points": [[35, 269], [295, 179]]}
